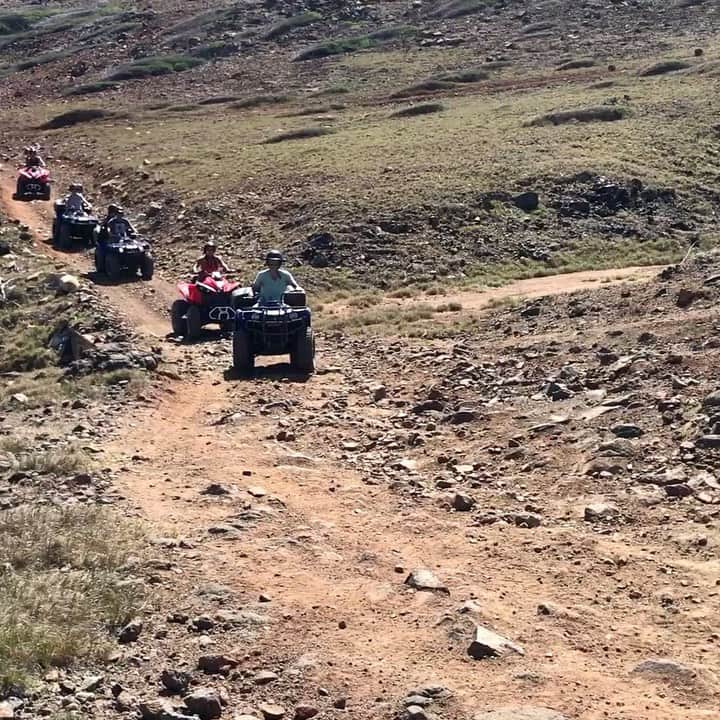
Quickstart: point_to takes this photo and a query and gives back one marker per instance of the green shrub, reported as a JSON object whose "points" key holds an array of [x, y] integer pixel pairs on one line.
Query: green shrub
{"points": [[154, 66], [353, 44], [260, 100], [301, 134], [421, 109], [75, 117], [91, 88], [582, 115]]}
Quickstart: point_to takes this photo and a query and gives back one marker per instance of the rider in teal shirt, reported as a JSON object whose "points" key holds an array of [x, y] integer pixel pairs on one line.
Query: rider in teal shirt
{"points": [[270, 285]]}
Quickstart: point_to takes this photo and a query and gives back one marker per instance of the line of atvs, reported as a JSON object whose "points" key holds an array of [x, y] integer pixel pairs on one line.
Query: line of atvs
{"points": [[257, 329]]}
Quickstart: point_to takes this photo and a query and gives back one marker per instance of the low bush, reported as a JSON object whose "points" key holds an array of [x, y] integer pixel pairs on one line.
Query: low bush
{"points": [[302, 134], [663, 68], [421, 109], [581, 115], [75, 117], [288, 24], [154, 66]]}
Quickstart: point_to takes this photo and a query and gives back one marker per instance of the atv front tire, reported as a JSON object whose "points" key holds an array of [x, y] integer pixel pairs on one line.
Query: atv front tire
{"points": [[64, 242], [194, 322], [177, 318], [243, 359], [99, 261], [46, 194], [303, 357], [113, 268], [147, 268]]}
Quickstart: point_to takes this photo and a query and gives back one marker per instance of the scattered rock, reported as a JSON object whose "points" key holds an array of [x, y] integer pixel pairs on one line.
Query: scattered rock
{"points": [[626, 431], [423, 579], [305, 712], [527, 201], [598, 512], [667, 669], [264, 677], [68, 284], [216, 664], [131, 632], [7, 711], [271, 711], [487, 644], [175, 681], [215, 489], [463, 503], [205, 703]]}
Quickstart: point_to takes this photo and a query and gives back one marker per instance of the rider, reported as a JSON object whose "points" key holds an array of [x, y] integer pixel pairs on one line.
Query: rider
{"points": [[210, 263], [75, 201], [32, 156], [272, 283], [116, 225]]}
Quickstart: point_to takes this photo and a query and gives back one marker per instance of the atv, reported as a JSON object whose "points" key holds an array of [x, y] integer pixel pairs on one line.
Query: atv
{"points": [[274, 329], [123, 253], [33, 183], [73, 226], [207, 298]]}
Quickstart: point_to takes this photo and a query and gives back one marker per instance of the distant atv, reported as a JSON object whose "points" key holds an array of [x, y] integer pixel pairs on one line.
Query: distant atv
{"points": [[208, 298], [274, 329], [33, 183], [115, 255], [71, 227]]}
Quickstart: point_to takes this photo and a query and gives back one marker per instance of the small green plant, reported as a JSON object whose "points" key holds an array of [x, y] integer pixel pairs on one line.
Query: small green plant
{"points": [[153, 66], [91, 88], [260, 100], [301, 134], [420, 109]]}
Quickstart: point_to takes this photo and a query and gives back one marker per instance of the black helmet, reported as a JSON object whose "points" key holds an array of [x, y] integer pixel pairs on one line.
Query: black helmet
{"points": [[274, 256], [115, 209], [76, 187], [209, 244]]}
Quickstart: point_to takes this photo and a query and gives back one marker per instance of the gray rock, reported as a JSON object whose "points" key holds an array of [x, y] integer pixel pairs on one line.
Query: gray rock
{"points": [[205, 703], [708, 441], [7, 711], [527, 201], [216, 664], [215, 489], [175, 681], [131, 632], [91, 683], [423, 579], [270, 711], [462, 502], [160, 710], [626, 431], [520, 713], [601, 512], [419, 700], [487, 643], [415, 712], [712, 400], [125, 702], [264, 677], [305, 712], [462, 416], [664, 668]]}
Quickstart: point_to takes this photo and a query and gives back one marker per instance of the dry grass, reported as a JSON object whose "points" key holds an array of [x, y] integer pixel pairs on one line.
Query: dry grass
{"points": [[21, 453], [63, 588]]}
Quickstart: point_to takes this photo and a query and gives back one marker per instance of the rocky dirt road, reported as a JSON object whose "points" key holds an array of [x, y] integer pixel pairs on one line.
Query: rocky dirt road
{"points": [[330, 548]]}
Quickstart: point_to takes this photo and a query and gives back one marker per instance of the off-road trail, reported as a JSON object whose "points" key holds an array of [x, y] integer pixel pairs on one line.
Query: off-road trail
{"points": [[328, 545]]}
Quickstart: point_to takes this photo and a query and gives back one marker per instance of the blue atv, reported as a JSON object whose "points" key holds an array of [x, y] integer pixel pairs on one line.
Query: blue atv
{"points": [[115, 255], [71, 226], [273, 329]]}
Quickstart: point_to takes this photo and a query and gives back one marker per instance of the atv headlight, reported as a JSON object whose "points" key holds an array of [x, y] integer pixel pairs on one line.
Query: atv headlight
{"points": [[121, 250]]}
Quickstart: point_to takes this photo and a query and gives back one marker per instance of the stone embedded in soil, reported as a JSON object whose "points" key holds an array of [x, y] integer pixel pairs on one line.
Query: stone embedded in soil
{"points": [[175, 681], [270, 711], [462, 502], [415, 712], [423, 579], [124, 702], [462, 416], [264, 677], [520, 713], [712, 400], [205, 703], [600, 511], [216, 664], [215, 489], [487, 644], [160, 710], [668, 669], [131, 632], [626, 431], [305, 712]]}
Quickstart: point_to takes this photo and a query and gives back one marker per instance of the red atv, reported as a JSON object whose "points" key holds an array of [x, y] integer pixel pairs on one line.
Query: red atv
{"points": [[33, 183], [206, 299]]}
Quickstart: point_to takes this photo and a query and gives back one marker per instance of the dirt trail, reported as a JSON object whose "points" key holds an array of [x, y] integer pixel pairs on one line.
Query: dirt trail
{"points": [[332, 551]]}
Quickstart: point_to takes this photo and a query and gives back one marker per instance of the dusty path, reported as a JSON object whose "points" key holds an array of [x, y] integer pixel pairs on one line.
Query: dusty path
{"points": [[331, 552]]}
